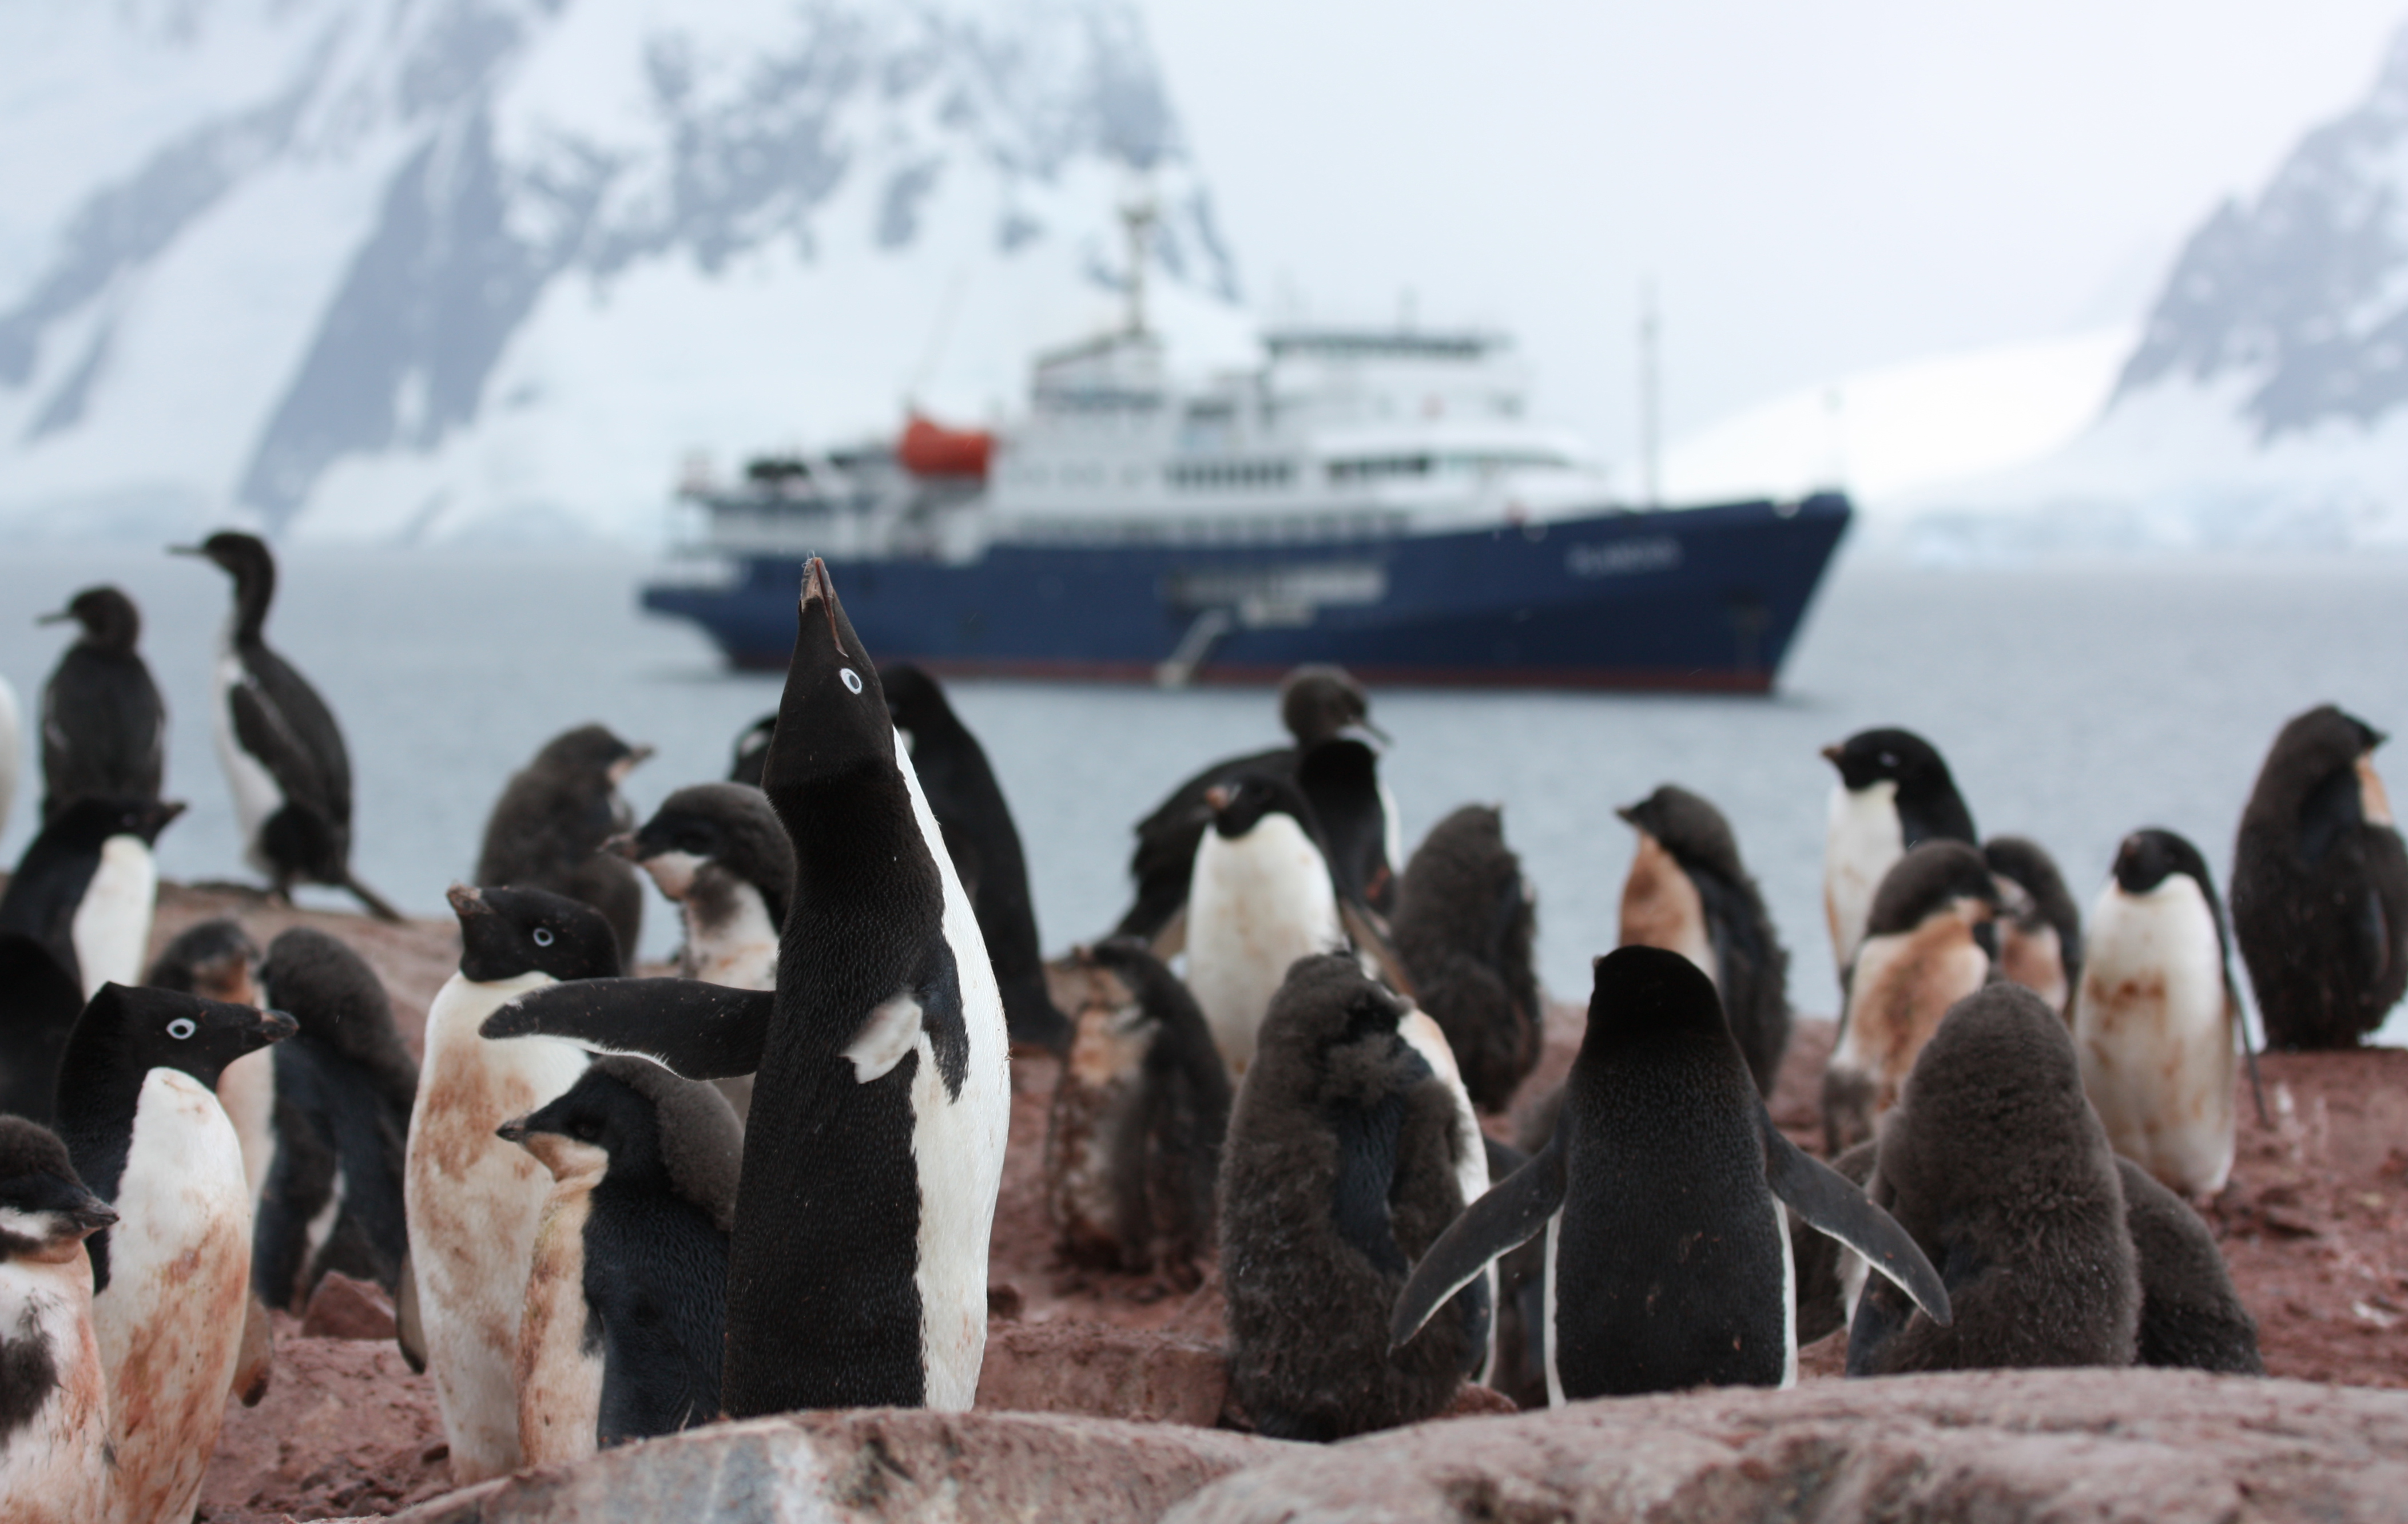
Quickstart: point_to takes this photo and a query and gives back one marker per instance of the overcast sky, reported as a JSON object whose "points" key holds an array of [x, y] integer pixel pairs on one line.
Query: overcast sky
{"points": [[1811, 187]]}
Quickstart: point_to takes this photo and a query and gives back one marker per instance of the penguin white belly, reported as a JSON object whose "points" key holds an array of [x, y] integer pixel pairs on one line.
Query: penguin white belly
{"points": [[1903, 984], [54, 1463], [559, 1374], [738, 949], [2152, 1028], [247, 1090], [473, 1202], [1554, 1377], [1861, 840], [1428, 1039], [1255, 905], [170, 1323], [1788, 1294], [2033, 956], [957, 1146], [111, 930], [672, 872], [1661, 908], [256, 796]]}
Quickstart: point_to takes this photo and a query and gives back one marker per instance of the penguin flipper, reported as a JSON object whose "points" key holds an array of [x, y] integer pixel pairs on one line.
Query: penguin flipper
{"points": [[1832, 1205], [701, 1031], [1512, 1211]]}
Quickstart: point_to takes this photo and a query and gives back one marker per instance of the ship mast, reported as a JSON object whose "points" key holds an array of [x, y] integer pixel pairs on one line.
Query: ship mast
{"points": [[1650, 401], [1137, 217]]}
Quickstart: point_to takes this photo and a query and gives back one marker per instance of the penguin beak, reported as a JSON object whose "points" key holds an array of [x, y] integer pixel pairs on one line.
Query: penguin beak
{"points": [[621, 845], [58, 618], [186, 550], [514, 1130], [1216, 798], [1626, 812], [93, 1215], [1831, 753], [466, 901], [276, 1025], [1364, 730], [629, 763]]}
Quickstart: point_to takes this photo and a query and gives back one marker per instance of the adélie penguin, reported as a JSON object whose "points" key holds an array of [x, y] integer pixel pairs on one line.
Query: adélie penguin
{"points": [[2039, 928], [1661, 1194], [627, 1299], [548, 829], [1466, 918], [39, 1002], [2320, 886], [2191, 1316], [1263, 898], [471, 1200], [217, 960], [171, 1278], [750, 749], [104, 728], [283, 755], [1894, 793], [54, 1459], [857, 1269], [87, 886]]}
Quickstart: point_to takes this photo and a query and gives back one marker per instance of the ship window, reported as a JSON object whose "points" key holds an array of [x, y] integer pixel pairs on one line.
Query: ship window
{"points": [[1377, 469]]}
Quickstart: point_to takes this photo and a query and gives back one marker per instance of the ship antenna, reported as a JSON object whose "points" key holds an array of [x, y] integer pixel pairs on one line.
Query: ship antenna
{"points": [[1650, 399], [1137, 217]]}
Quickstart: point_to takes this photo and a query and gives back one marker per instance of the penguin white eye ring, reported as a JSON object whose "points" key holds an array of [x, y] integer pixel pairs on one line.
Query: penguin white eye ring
{"points": [[182, 1028], [542, 935], [852, 679]]}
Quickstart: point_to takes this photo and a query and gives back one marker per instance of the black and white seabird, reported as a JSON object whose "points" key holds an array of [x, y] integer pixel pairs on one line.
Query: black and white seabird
{"points": [[104, 728]]}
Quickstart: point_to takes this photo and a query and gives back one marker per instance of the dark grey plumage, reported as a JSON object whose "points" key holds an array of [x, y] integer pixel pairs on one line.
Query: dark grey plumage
{"points": [[2040, 926], [751, 751], [1819, 1291], [2190, 1313], [104, 726], [1464, 925], [548, 828], [215, 960], [59, 865], [1752, 968], [39, 1002]]}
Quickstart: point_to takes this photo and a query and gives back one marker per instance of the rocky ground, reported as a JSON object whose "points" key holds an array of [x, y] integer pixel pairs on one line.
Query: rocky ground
{"points": [[2314, 1224]]}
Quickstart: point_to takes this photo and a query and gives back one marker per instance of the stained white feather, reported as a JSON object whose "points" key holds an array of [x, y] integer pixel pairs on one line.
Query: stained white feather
{"points": [[2153, 1026], [111, 930], [1861, 840], [1255, 905]]}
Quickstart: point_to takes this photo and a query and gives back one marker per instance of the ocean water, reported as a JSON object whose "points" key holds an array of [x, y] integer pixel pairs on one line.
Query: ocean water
{"points": [[2073, 705]]}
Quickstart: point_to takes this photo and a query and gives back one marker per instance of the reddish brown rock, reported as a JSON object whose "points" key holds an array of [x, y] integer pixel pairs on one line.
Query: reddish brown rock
{"points": [[343, 1308], [345, 1429], [1103, 1371]]}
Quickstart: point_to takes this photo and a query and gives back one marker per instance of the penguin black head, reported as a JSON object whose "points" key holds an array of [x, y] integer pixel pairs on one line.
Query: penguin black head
{"points": [[2311, 751], [337, 998], [506, 932], [90, 820], [1934, 877], [110, 619], [45, 1211], [915, 700], [1644, 996], [729, 824], [643, 1127], [1902, 757], [1240, 805], [591, 748], [2146, 858], [133, 1030], [1688, 827], [215, 960], [751, 750], [832, 718], [1318, 702], [1326, 1003]]}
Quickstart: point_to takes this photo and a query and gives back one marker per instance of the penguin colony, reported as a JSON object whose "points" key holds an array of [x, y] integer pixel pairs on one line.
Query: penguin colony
{"points": [[1275, 1065]]}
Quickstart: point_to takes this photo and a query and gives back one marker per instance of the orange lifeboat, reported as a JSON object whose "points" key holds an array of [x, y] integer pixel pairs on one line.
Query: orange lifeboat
{"points": [[930, 448]]}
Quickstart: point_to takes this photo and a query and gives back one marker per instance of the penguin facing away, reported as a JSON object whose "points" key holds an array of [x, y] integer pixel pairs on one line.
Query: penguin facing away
{"points": [[217, 960], [1342, 1166], [471, 1200], [627, 1298], [548, 828], [857, 1269], [171, 1278], [1340, 778], [1894, 793], [2320, 886], [1995, 1164], [87, 886], [1466, 918], [1688, 893], [1262, 899], [2040, 928], [2190, 1314], [752, 749], [54, 1459], [104, 728], [283, 754], [39, 1002]]}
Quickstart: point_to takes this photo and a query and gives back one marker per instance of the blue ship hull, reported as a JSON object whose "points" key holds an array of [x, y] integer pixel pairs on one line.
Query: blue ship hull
{"points": [[1705, 598]]}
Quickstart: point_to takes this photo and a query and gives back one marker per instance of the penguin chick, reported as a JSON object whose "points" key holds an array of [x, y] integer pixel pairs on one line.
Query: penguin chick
{"points": [[54, 1461], [2156, 1019], [2040, 929], [627, 1300], [1929, 943], [1262, 899], [2190, 1314], [1997, 1165], [345, 1085], [1339, 1170], [471, 1200], [104, 728], [751, 751], [1688, 893], [2320, 886], [217, 960], [548, 829], [1894, 794], [1466, 918], [87, 884], [1134, 1142]]}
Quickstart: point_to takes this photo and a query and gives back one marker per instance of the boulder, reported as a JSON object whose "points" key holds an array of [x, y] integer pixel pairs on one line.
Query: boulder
{"points": [[1102, 1371], [344, 1308], [2000, 1446]]}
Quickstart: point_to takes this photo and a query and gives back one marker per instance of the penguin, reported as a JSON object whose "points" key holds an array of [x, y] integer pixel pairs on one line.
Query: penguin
{"points": [[1262, 899], [1688, 893], [472, 1201], [39, 1002], [12, 745], [283, 755], [2191, 1316], [217, 960], [1827, 1276], [548, 828], [626, 1301], [2040, 928], [345, 1085], [104, 728], [1929, 942], [1894, 794], [1519, 1368], [857, 1269], [1317, 703], [1466, 918], [1340, 1168], [751, 750], [2156, 1019], [2320, 886], [1133, 1142], [87, 886], [171, 1278], [1341, 779], [970, 810], [1997, 1167], [54, 1459], [1660, 1194]]}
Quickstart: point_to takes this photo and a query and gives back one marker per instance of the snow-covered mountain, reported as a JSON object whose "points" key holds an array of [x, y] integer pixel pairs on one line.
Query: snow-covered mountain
{"points": [[428, 269]]}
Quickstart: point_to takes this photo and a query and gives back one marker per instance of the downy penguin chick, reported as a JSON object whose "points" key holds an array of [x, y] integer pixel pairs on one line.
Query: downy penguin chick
{"points": [[2040, 929], [1999, 1166], [626, 1302], [549, 827], [217, 960], [1133, 1146], [1660, 1194], [1688, 893], [1894, 794], [1262, 899], [54, 1460], [104, 728], [1466, 918], [2320, 886], [2156, 1020], [345, 1085], [2190, 1314], [1341, 1170], [1929, 942], [87, 886], [471, 1200], [171, 1279], [283, 755]]}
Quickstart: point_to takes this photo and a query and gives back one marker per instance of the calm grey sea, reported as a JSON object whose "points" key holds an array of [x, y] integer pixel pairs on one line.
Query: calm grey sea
{"points": [[2072, 704]]}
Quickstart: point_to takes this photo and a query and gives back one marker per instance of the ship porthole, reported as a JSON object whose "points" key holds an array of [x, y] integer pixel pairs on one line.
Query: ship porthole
{"points": [[852, 679]]}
